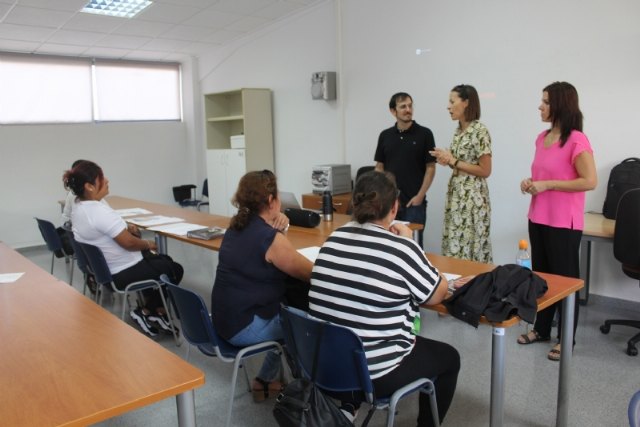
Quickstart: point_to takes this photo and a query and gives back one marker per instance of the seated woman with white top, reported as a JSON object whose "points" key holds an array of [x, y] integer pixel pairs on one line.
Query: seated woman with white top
{"points": [[96, 223], [371, 277]]}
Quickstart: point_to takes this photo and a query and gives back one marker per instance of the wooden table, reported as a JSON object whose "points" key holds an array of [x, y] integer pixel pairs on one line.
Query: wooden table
{"points": [[301, 237], [597, 228], [560, 288], [65, 361]]}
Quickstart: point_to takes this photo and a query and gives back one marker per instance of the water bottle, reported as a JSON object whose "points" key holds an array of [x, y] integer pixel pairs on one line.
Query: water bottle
{"points": [[523, 258], [327, 206]]}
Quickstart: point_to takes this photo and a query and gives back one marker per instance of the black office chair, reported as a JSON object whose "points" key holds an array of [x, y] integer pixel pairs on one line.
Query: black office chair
{"points": [[185, 195], [626, 249], [360, 171], [53, 242], [205, 193]]}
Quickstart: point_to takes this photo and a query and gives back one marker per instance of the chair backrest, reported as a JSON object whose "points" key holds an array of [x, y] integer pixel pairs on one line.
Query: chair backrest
{"points": [[626, 239], [342, 363], [197, 327], [205, 188], [183, 192], [634, 410], [97, 263], [50, 235], [81, 258], [362, 170]]}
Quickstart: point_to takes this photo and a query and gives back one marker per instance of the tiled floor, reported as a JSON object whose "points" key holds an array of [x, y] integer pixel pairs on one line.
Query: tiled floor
{"points": [[603, 376]]}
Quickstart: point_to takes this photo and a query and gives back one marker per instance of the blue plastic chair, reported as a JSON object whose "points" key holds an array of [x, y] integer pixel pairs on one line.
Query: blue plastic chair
{"points": [[634, 410], [80, 258], [342, 363], [198, 330], [53, 242], [100, 269]]}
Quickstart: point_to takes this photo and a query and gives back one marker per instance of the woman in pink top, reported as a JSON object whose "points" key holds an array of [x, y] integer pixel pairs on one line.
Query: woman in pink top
{"points": [[562, 170]]}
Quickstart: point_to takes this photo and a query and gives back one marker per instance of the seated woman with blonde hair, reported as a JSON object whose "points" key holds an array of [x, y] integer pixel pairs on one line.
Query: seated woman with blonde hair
{"points": [[254, 263]]}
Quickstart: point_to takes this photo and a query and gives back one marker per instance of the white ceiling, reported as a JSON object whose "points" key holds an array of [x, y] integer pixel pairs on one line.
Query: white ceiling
{"points": [[165, 31]]}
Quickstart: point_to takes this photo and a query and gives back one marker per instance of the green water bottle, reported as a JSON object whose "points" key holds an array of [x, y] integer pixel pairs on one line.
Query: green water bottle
{"points": [[415, 329]]}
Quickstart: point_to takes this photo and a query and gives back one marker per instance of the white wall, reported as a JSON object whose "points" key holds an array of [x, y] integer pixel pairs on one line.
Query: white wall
{"points": [[283, 59], [142, 160], [508, 50]]}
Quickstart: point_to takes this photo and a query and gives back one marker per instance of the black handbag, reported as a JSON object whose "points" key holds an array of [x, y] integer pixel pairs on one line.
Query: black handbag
{"points": [[302, 404]]}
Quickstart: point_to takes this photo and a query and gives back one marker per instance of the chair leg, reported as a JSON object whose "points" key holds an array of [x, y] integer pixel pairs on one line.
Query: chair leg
{"points": [[365, 423], [71, 274], [246, 376], [631, 345], [169, 316], [53, 256], [125, 301], [98, 297], [234, 377], [431, 391]]}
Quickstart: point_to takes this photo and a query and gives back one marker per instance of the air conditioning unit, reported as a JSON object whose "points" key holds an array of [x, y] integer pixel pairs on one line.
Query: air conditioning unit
{"points": [[323, 85]]}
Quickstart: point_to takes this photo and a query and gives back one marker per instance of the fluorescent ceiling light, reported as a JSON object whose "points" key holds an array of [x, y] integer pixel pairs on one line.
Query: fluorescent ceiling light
{"points": [[119, 8]]}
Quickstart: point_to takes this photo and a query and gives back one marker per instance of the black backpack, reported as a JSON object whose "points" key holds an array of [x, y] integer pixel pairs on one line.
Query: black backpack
{"points": [[623, 177]]}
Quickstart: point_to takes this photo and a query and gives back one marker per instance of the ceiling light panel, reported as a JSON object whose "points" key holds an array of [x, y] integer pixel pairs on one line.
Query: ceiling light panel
{"points": [[119, 8]]}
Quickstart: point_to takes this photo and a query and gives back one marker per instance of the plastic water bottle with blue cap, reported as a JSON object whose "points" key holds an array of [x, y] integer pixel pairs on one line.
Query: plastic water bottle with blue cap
{"points": [[523, 258]]}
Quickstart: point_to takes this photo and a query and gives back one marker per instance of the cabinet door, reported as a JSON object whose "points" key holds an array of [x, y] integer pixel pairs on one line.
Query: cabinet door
{"points": [[224, 170], [236, 168], [217, 176]]}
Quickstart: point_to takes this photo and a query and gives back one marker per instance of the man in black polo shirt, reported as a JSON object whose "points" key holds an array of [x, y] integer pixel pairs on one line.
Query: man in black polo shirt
{"points": [[403, 149]]}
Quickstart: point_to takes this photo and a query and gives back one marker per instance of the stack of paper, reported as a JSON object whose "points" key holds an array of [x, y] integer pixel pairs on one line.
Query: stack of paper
{"points": [[150, 221], [178, 229]]}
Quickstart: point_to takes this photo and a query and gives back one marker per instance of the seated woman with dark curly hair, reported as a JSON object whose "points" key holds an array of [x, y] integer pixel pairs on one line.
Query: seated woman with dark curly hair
{"points": [[371, 277], [254, 263]]}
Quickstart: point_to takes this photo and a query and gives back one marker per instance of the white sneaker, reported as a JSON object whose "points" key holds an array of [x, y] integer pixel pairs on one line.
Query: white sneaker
{"points": [[141, 319]]}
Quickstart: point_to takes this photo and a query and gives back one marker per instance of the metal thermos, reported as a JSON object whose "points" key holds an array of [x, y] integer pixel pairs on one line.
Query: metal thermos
{"points": [[327, 206]]}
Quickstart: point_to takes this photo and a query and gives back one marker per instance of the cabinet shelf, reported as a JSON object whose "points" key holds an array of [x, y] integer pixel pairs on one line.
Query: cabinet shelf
{"points": [[225, 118]]}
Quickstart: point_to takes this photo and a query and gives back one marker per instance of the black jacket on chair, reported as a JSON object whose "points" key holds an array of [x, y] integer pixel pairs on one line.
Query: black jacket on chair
{"points": [[499, 294]]}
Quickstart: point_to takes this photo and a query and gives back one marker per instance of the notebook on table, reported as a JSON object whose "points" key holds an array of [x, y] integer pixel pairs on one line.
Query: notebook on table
{"points": [[206, 233]]}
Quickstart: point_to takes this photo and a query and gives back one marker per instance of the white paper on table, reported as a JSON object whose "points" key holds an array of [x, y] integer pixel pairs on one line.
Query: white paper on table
{"points": [[149, 221], [395, 221], [179, 228], [10, 277], [310, 253], [132, 211], [451, 279]]}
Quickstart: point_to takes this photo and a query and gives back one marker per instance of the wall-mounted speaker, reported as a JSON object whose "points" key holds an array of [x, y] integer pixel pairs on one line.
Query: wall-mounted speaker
{"points": [[323, 85]]}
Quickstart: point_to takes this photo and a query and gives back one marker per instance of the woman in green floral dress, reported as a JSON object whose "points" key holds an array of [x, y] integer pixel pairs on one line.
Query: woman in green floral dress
{"points": [[467, 212]]}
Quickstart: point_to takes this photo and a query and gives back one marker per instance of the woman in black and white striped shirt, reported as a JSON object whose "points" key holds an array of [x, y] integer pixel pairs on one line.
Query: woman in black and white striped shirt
{"points": [[371, 277]]}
